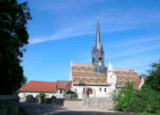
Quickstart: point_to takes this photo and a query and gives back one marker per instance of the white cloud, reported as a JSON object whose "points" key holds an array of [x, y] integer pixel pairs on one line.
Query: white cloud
{"points": [[137, 40], [78, 21], [134, 51]]}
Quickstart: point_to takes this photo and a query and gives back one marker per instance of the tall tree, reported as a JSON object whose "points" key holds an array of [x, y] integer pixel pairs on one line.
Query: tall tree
{"points": [[13, 36], [153, 80]]}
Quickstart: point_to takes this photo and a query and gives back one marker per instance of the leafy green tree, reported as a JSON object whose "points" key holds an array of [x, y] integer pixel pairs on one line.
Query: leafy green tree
{"points": [[13, 36], [153, 80], [131, 100], [42, 95], [124, 97], [145, 100]]}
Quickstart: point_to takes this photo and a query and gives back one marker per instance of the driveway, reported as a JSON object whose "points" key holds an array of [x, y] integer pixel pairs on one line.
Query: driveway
{"points": [[45, 109]]}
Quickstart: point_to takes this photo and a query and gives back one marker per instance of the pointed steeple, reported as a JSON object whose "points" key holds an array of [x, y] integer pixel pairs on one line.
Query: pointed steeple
{"points": [[110, 68], [98, 44], [98, 53]]}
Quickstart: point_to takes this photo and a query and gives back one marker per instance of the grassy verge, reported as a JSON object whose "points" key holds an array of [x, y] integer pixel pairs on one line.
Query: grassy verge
{"points": [[151, 114]]}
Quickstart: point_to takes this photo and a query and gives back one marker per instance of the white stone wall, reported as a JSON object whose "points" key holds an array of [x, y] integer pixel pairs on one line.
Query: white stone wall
{"points": [[23, 95], [96, 91], [60, 94]]}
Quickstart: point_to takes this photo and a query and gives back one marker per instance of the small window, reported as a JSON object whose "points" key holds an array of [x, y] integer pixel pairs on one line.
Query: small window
{"points": [[100, 58], [60, 91], [99, 89], [83, 89], [105, 90]]}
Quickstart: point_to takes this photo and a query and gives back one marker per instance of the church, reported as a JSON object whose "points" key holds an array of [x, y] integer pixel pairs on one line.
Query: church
{"points": [[96, 79], [92, 80]]}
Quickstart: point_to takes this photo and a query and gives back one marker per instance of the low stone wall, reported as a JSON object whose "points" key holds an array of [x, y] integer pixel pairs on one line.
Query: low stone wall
{"points": [[93, 103], [103, 103], [9, 105], [73, 104]]}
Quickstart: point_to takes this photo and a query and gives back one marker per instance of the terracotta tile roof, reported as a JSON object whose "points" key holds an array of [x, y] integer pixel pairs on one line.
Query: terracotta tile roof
{"points": [[39, 86], [124, 75], [69, 85], [66, 85], [84, 74]]}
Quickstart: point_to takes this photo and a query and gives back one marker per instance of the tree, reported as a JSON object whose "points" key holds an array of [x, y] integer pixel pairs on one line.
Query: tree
{"points": [[124, 97], [13, 36], [153, 80]]}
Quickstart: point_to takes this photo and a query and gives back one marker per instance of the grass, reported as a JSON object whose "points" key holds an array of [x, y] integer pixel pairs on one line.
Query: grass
{"points": [[151, 114]]}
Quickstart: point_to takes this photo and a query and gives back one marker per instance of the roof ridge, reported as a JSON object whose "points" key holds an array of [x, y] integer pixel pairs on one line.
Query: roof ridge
{"points": [[82, 64], [124, 69], [42, 81]]}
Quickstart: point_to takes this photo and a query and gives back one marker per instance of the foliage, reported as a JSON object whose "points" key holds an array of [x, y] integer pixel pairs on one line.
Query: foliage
{"points": [[42, 95], [70, 92], [23, 81], [53, 97], [13, 36], [124, 97], [144, 100], [153, 80]]}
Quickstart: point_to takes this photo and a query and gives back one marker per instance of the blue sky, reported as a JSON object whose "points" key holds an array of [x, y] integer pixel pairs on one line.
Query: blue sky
{"points": [[65, 30]]}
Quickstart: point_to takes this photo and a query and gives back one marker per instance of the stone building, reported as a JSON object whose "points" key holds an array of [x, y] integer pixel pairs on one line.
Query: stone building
{"points": [[34, 88]]}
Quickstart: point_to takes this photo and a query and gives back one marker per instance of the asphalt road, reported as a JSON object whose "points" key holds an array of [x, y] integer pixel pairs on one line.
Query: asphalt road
{"points": [[41, 109], [90, 113]]}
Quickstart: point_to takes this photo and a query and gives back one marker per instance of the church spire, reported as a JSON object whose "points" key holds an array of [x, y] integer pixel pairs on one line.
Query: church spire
{"points": [[98, 53], [98, 44]]}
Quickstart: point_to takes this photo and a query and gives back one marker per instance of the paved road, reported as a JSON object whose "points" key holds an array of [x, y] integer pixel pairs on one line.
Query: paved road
{"points": [[89, 113], [37, 109]]}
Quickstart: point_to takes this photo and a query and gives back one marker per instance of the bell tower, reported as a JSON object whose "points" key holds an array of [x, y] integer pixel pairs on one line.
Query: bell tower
{"points": [[98, 52]]}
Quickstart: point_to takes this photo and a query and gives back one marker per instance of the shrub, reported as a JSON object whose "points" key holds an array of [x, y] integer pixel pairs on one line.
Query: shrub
{"points": [[53, 97], [144, 100], [70, 92], [124, 98], [42, 95]]}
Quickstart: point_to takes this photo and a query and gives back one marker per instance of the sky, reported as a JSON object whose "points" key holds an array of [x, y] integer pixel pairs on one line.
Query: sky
{"points": [[62, 31]]}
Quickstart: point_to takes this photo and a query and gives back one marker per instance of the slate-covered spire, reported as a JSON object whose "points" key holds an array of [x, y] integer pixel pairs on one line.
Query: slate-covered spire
{"points": [[98, 42], [98, 53]]}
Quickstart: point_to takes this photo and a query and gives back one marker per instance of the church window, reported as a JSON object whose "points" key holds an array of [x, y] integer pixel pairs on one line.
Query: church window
{"points": [[100, 89], [104, 89], [83, 89]]}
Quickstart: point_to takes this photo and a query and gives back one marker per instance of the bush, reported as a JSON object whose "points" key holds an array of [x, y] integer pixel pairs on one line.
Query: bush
{"points": [[42, 95], [73, 95], [53, 97], [144, 100], [70, 92], [124, 97]]}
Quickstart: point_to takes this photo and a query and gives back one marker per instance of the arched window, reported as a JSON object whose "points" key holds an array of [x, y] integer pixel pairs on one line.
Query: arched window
{"points": [[100, 89], [83, 89], [105, 89]]}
